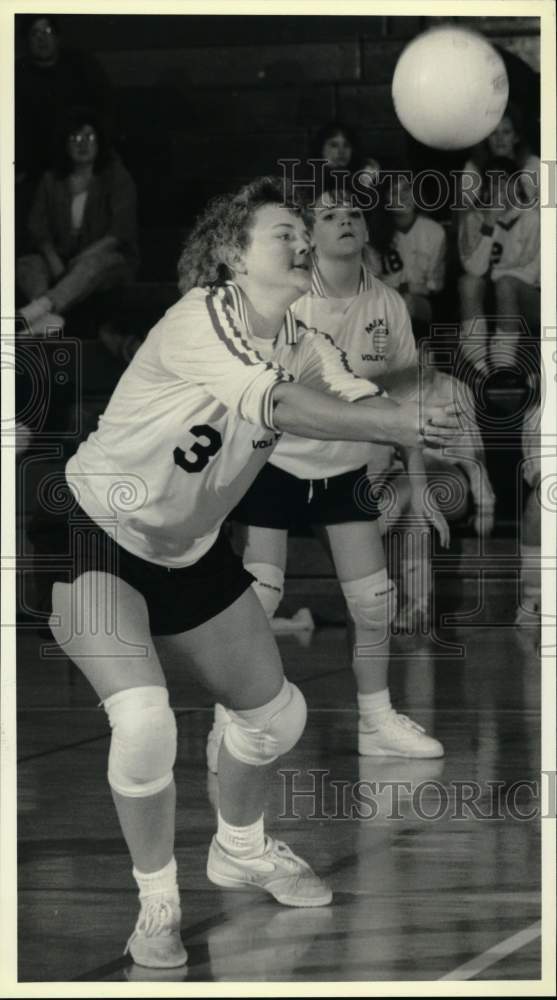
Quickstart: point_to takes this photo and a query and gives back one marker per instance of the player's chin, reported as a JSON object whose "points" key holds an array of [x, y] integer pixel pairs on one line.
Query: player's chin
{"points": [[301, 278]]}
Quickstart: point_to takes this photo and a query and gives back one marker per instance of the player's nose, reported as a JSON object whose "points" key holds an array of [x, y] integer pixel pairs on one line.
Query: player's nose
{"points": [[303, 244]]}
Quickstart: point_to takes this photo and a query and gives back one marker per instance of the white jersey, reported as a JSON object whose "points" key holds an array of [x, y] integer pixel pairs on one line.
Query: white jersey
{"points": [[511, 248], [190, 424], [417, 257], [373, 331]]}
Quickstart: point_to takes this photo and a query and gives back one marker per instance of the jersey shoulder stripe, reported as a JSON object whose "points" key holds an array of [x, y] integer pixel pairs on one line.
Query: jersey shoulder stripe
{"points": [[224, 324]]}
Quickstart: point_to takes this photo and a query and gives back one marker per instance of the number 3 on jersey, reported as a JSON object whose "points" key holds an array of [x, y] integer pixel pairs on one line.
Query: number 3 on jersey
{"points": [[204, 449]]}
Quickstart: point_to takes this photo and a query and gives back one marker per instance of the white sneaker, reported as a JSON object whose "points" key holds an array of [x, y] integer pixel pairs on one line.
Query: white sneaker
{"points": [[302, 621], [214, 739], [278, 870], [156, 940], [397, 736]]}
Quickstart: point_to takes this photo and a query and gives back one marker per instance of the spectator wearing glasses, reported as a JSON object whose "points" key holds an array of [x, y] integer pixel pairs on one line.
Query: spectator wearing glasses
{"points": [[82, 225], [49, 78]]}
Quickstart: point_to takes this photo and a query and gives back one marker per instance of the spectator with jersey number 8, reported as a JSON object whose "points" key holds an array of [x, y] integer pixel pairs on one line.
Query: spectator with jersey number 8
{"points": [[499, 246], [192, 420]]}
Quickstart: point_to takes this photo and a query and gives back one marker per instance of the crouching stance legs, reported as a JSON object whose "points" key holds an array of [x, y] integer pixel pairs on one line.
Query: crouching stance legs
{"points": [[237, 658]]}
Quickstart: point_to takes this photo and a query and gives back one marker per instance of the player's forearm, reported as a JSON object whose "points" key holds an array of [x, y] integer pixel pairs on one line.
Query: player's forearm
{"points": [[308, 413], [413, 459]]}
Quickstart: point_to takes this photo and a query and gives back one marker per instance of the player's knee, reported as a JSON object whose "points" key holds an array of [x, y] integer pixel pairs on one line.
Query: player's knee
{"points": [[268, 585], [259, 735], [143, 743], [371, 601]]}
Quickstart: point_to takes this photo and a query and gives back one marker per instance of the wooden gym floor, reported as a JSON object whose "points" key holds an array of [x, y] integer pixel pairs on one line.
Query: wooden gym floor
{"points": [[455, 895]]}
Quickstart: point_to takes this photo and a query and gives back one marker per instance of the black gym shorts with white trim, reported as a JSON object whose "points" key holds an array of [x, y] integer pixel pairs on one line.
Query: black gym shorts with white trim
{"points": [[69, 543], [277, 499]]}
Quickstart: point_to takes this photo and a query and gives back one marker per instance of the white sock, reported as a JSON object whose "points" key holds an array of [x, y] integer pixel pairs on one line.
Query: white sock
{"points": [[241, 841], [374, 708], [163, 882]]}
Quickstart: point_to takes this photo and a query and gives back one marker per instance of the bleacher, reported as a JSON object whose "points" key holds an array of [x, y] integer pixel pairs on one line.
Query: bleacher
{"points": [[200, 108]]}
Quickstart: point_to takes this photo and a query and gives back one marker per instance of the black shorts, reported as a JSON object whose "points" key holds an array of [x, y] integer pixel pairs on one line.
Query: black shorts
{"points": [[69, 543], [277, 499]]}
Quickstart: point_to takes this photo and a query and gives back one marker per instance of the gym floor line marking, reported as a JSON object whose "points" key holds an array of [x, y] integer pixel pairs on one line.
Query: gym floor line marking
{"points": [[494, 954]]}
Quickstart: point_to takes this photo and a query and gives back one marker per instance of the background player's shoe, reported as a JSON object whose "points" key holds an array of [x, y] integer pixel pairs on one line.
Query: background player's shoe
{"points": [[214, 739], [141, 974], [302, 621], [278, 871], [397, 736], [156, 940]]}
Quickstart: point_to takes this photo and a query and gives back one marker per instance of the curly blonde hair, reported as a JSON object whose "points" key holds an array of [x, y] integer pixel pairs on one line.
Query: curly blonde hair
{"points": [[223, 229]]}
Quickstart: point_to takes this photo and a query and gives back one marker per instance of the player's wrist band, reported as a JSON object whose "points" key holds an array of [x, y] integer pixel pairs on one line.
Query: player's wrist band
{"points": [[487, 230]]}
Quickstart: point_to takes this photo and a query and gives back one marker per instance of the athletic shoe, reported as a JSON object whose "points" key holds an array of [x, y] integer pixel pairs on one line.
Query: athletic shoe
{"points": [[214, 739], [278, 871], [141, 974], [302, 621], [528, 615], [396, 736], [156, 940]]}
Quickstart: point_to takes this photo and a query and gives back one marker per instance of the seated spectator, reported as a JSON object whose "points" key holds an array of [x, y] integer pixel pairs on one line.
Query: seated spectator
{"points": [[457, 484], [499, 249], [49, 79], [82, 225], [414, 260], [508, 141]]}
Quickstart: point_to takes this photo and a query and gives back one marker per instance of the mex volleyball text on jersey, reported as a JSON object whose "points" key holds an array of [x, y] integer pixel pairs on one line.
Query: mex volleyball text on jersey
{"points": [[191, 423], [373, 330]]}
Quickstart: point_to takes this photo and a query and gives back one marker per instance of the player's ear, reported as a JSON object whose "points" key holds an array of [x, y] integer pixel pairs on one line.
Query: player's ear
{"points": [[234, 260]]}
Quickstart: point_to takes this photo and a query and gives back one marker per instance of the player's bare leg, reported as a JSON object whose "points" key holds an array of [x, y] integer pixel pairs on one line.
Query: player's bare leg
{"points": [[264, 555], [112, 646], [359, 558], [236, 657]]}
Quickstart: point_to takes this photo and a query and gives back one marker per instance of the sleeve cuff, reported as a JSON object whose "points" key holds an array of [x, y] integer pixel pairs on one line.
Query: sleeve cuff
{"points": [[267, 402]]}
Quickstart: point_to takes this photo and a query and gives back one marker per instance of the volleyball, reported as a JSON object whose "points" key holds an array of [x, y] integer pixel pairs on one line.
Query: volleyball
{"points": [[450, 88]]}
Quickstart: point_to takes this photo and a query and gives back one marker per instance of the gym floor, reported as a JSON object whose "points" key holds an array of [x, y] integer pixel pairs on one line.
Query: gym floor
{"points": [[426, 886]]}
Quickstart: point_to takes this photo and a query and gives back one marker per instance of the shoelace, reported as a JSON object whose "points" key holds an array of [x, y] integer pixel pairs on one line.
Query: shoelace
{"points": [[285, 852], [155, 918], [407, 723]]}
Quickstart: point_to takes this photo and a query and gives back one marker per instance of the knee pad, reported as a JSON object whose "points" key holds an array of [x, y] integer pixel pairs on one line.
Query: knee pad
{"points": [[268, 585], [143, 743], [259, 735], [371, 600]]}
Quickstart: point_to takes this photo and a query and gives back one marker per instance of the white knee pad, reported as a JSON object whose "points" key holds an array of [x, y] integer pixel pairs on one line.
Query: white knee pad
{"points": [[268, 585], [143, 744], [260, 735], [371, 600]]}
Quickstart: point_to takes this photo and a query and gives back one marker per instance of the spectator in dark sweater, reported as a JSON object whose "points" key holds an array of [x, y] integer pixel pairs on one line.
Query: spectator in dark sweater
{"points": [[82, 225]]}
